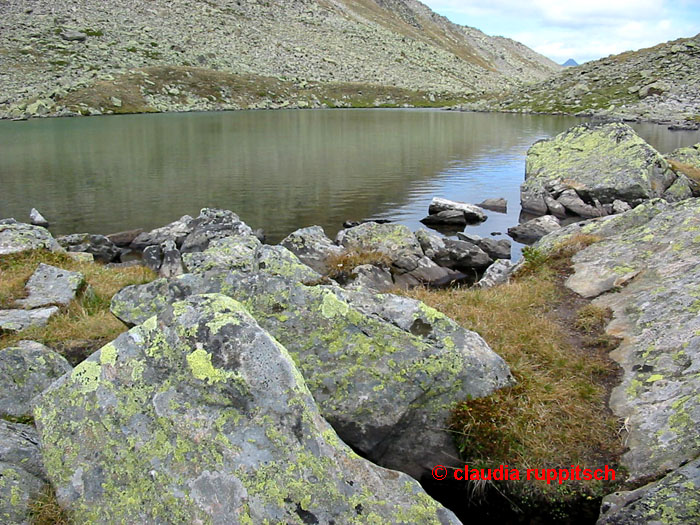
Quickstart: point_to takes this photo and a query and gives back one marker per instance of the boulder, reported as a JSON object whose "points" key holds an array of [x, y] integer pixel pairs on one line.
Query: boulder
{"points": [[462, 256], [172, 260], [49, 285], [675, 498], [500, 205], [496, 249], [125, 238], [98, 245], [535, 229], [229, 253], [498, 273], [472, 213], [212, 224], [16, 237], [395, 241], [278, 260], [175, 231], [19, 446], [312, 247], [427, 272], [37, 219], [447, 217], [371, 277], [153, 257], [201, 416], [652, 253], [18, 320], [589, 166], [386, 389], [26, 370], [73, 36], [431, 243]]}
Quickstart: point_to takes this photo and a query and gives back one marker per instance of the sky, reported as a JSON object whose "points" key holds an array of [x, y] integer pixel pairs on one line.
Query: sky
{"points": [[582, 30]]}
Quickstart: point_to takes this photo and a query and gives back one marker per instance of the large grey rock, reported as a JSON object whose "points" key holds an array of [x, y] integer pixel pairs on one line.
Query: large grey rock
{"points": [[200, 416], [370, 277], [386, 389], [591, 165], [674, 499], [496, 249], [278, 260], [18, 320], [175, 231], [427, 272], [26, 370], [228, 253], [652, 251], [312, 247], [49, 285], [395, 241], [446, 217], [98, 245], [212, 224], [16, 237], [535, 229], [37, 219], [19, 446], [498, 273], [472, 213]]}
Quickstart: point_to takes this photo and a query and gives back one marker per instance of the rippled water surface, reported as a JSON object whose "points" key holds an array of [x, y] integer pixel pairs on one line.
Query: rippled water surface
{"points": [[279, 170]]}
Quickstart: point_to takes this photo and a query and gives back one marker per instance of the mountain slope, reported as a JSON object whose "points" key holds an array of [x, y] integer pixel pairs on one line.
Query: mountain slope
{"points": [[58, 47], [658, 84]]}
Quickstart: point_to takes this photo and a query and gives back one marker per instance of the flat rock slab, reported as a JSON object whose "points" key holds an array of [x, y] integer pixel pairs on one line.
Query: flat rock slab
{"points": [[49, 285], [26, 370], [18, 320], [200, 416], [16, 237], [533, 230]]}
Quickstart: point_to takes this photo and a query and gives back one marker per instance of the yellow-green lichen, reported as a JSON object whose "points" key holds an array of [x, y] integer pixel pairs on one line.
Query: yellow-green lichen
{"points": [[199, 362], [87, 376]]}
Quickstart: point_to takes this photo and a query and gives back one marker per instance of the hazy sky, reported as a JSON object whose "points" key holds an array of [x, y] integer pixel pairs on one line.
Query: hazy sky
{"points": [[582, 30]]}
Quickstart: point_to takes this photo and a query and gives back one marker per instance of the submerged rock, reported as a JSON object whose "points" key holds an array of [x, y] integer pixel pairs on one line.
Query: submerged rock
{"points": [[16, 237], [386, 389], [49, 285], [588, 166], [26, 370], [201, 416]]}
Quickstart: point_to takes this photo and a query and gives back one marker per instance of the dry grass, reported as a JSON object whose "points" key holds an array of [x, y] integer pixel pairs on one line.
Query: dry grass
{"points": [[556, 415], [341, 266], [689, 171], [45, 510], [86, 320]]}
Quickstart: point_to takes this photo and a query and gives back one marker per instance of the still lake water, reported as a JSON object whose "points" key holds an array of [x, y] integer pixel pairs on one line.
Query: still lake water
{"points": [[279, 170]]}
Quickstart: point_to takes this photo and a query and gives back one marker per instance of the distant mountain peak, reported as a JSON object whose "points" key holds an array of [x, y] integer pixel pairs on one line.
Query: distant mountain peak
{"points": [[570, 63]]}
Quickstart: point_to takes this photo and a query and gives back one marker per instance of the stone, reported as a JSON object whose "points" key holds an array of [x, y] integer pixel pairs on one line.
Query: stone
{"points": [[17, 491], [125, 238], [469, 237], [620, 206], [200, 415], [74, 36], [462, 256], [312, 247], [27, 368], [428, 273], [651, 252], [49, 285], [447, 217], [212, 224], [371, 277], [98, 245], [471, 212], [431, 243], [37, 219], [675, 498], [175, 231], [534, 229], [172, 260], [500, 204], [18, 320], [589, 163], [19, 446], [496, 249], [229, 253], [278, 260], [498, 273], [394, 422], [153, 257], [678, 191], [555, 207], [16, 237]]}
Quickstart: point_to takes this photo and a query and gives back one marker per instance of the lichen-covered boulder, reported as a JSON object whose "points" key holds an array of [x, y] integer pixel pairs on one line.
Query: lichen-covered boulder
{"points": [[200, 416], [212, 224], [229, 253], [386, 387], [673, 500], [278, 260], [49, 285], [312, 246], [396, 241], [176, 231], [646, 269], [26, 370], [22, 477], [587, 167], [98, 245], [16, 237]]}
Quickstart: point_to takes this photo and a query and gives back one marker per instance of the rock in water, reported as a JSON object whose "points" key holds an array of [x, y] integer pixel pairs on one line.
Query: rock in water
{"points": [[386, 388], [200, 416], [590, 166], [500, 205], [535, 229], [472, 213], [37, 219], [26, 370], [16, 237], [49, 285]]}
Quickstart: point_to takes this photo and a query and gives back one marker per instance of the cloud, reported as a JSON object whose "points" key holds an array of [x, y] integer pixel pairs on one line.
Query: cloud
{"points": [[582, 30]]}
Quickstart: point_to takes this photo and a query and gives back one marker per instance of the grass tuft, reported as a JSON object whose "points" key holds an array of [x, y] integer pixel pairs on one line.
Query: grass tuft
{"points": [[45, 510]]}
